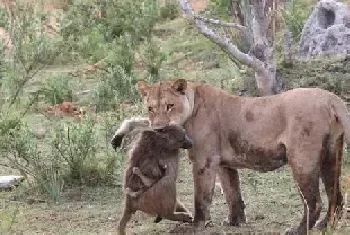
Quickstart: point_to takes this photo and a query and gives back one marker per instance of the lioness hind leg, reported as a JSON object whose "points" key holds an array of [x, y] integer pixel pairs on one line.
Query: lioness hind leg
{"points": [[229, 179], [330, 174], [306, 177]]}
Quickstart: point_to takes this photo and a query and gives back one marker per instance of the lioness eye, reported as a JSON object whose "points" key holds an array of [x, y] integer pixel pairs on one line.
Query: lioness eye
{"points": [[150, 109], [169, 106]]}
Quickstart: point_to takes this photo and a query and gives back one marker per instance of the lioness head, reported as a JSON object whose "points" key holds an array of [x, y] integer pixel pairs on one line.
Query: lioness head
{"points": [[168, 102]]}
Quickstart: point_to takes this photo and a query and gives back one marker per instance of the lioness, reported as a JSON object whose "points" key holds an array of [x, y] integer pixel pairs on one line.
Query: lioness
{"points": [[302, 127]]}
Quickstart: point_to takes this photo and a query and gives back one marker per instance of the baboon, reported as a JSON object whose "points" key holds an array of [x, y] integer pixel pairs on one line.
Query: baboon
{"points": [[150, 177]]}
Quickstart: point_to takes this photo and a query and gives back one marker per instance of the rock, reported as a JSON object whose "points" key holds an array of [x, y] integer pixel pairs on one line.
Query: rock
{"points": [[8, 181], [326, 32]]}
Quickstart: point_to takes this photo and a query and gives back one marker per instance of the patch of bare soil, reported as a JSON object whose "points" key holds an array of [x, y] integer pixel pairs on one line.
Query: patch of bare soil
{"points": [[199, 5]]}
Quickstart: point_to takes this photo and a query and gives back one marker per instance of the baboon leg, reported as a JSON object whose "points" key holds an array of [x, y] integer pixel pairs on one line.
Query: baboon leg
{"points": [[129, 192], [305, 168], [127, 214], [230, 184], [148, 182], [330, 173], [158, 219], [179, 207], [179, 216], [204, 182]]}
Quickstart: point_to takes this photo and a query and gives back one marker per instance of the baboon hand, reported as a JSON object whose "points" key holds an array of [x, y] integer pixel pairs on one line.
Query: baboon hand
{"points": [[136, 170], [127, 190], [117, 141]]}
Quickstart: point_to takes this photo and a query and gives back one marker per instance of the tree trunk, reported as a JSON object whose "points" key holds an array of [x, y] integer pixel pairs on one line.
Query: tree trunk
{"points": [[266, 79], [261, 59]]}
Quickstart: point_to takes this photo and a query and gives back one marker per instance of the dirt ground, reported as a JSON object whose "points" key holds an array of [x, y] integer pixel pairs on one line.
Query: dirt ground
{"points": [[272, 205]]}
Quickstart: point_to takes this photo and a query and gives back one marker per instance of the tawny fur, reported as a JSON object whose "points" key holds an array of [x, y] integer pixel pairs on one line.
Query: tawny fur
{"points": [[150, 176], [303, 127]]}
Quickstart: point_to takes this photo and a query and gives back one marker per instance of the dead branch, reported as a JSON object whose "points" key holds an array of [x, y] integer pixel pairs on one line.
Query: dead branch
{"points": [[224, 42], [241, 28]]}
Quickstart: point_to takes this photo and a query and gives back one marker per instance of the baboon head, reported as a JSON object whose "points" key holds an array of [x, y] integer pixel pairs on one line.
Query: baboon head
{"points": [[171, 137]]}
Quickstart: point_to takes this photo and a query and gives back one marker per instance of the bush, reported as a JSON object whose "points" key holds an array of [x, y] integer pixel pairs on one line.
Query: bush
{"points": [[76, 146], [58, 89], [116, 85], [20, 151], [170, 10], [67, 157], [153, 58], [92, 37], [295, 17], [329, 75]]}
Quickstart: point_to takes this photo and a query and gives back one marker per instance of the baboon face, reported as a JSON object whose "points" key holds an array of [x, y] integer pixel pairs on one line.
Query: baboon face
{"points": [[170, 137]]}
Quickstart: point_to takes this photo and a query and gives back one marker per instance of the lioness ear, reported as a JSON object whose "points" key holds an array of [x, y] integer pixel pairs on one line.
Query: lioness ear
{"points": [[180, 85], [143, 88]]}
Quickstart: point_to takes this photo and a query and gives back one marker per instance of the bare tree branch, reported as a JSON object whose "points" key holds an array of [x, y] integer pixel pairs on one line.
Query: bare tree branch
{"points": [[241, 28], [224, 42]]}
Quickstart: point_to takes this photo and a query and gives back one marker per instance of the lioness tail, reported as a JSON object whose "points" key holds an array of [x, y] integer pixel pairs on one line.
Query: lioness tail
{"points": [[342, 114]]}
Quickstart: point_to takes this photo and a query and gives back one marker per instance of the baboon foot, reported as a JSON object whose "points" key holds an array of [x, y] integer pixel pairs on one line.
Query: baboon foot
{"points": [[295, 231], [157, 219]]}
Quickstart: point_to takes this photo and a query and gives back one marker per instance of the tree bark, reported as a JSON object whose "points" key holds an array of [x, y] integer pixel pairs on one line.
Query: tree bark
{"points": [[261, 59]]}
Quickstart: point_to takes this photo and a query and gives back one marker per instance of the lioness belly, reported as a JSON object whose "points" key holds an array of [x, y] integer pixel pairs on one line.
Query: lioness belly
{"points": [[245, 155]]}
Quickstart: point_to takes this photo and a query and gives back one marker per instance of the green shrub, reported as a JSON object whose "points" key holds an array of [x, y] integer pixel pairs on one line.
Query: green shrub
{"points": [[75, 144], [153, 58], [68, 156], [115, 86], [295, 17], [58, 89], [93, 37], [170, 10], [328, 75]]}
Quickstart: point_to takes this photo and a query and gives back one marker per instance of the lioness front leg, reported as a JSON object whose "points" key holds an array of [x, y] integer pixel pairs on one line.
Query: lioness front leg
{"points": [[204, 182], [148, 182], [229, 179]]}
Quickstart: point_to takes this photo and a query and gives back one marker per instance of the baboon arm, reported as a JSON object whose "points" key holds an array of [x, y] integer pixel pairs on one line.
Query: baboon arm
{"points": [[148, 182], [137, 123], [131, 193], [170, 173]]}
